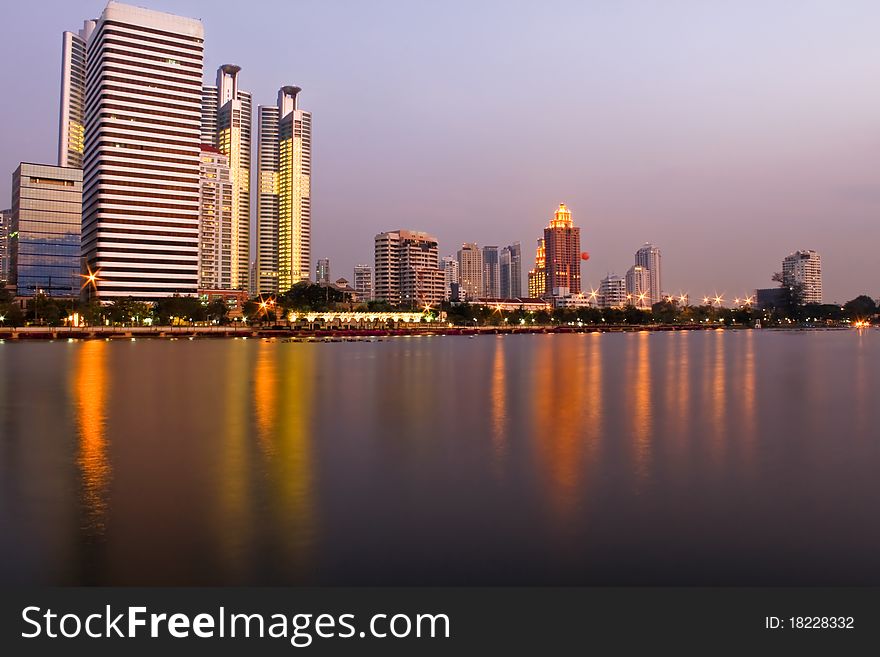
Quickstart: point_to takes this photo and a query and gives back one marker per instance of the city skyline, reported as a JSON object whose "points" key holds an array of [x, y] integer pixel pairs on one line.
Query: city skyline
{"points": [[788, 192]]}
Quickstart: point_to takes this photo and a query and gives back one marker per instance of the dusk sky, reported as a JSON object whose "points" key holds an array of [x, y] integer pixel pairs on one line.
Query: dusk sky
{"points": [[727, 133]]}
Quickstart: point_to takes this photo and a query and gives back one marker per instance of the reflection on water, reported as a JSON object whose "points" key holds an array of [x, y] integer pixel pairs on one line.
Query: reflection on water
{"points": [[685, 458], [91, 386]]}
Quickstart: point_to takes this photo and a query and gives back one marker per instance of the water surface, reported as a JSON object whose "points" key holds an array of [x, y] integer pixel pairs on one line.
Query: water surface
{"points": [[717, 457]]}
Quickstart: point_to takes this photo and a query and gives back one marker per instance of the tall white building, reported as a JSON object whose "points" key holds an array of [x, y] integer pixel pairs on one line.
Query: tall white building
{"points": [[451, 277], [638, 286], [470, 271], [648, 257], [511, 271], [805, 268], [143, 107], [363, 282], [226, 125], [284, 205], [612, 292], [71, 125], [407, 268], [215, 221]]}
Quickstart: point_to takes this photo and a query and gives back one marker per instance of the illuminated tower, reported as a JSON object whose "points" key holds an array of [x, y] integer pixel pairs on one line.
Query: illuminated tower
{"points": [[284, 209], [470, 271], [649, 257], [215, 221], [562, 241], [71, 123], [538, 275], [638, 287]]}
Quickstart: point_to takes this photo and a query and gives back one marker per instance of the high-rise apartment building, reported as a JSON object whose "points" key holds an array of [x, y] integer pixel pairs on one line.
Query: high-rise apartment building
{"points": [[44, 232], [451, 277], [612, 292], [470, 271], [648, 257], [284, 206], [143, 110], [491, 272], [510, 271], [227, 117], [638, 287], [5, 222], [215, 221], [538, 275], [322, 271], [562, 241], [363, 282], [408, 268], [71, 125], [805, 269]]}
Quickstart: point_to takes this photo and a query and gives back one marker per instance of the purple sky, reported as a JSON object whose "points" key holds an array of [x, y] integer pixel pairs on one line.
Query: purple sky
{"points": [[728, 133]]}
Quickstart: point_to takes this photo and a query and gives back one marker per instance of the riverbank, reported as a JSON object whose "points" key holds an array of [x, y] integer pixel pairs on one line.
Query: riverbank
{"points": [[342, 334]]}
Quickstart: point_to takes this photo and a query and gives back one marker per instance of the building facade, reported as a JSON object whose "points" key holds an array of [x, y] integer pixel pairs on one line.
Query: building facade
{"points": [[216, 199], [510, 271], [284, 206], [470, 271], [648, 257], [638, 287], [491, 282], [5, 222], [538, 275], [804, 268], [612, 292], [71, 125], [44, 231], [562, 243], [451, 277], [143, 107], [407, 267], [363, 282]]}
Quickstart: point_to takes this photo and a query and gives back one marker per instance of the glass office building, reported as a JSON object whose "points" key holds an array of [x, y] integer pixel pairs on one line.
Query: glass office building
{"points": [[44, 235]]}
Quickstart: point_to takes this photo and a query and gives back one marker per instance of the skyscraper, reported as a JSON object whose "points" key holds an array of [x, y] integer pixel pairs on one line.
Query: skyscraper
{"points": [[143, 107], [284, 208], [215, 221], [511, 271], [470, 270], [44, 250], [562, 240], [649, 257], [491, 272], [804, 268], [638, 287], [322, 271], [407, 268], [363, 282], [538, 275], [71, 125]]}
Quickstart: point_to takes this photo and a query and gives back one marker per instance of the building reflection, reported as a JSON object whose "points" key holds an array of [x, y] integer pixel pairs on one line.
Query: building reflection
{"points": [[719, 396], [499, 402], [748, 417], [266, 394], [91, 388], [641, 413]]}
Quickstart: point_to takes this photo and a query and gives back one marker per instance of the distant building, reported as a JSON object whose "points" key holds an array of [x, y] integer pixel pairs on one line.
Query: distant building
{"points": [[638, 287], [44, 233], [612, 292], [772, 297], [491, 272], [511, 271], [538, 275], [804, 268], [5, 221], [648, 257], [322, 271], [470, 271], [562, 243], [235, 300], [451, 279], [407, 268], [515, 304], [363, 282], [215, 221]]}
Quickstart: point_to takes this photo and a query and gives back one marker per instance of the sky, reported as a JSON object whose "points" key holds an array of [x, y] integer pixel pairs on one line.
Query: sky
{"points": [[729, 134]]}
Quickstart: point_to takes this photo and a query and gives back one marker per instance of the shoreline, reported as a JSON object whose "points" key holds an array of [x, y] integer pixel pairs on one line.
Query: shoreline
{"points": [[347, 334]]}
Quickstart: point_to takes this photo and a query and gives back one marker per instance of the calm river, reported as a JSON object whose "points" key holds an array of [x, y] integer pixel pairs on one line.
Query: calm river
{"points": [[705, 457]]}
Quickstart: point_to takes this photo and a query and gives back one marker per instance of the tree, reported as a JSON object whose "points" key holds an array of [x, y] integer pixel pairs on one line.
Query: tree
{"points": [[792, 295], [217, 310], [862, 307]]}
